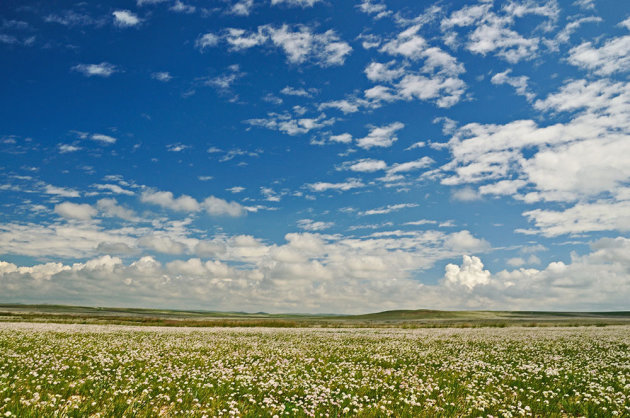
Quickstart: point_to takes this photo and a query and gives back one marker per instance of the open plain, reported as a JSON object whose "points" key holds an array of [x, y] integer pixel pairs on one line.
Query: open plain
{"points": [[77, 370]]}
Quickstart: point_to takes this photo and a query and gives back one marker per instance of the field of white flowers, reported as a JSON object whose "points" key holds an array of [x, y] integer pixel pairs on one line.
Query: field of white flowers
{"points": [[85, 370]]}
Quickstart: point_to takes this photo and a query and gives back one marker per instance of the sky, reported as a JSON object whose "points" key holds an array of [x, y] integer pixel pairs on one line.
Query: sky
{"points": [[315, 155]]}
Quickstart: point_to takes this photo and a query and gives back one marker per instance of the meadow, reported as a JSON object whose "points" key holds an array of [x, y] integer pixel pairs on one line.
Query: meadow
{"points": [[111, 370]]}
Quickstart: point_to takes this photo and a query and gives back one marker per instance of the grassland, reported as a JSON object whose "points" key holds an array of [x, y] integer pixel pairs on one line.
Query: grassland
{"points": [[422, 318], [80, 370]]}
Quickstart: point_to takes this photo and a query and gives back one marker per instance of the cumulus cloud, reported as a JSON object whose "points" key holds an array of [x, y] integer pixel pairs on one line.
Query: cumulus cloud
{"points": [[610, 58], [519, 83], [104, 69], [295, 3], [469, 274], [107, 139], [388, 209], [290, 124], [365, 165], [69, 210], [380, 136], [300, 44], [349, 184], [311, 225], [125, 18], [163, 76], [314, 272], [212, 205]]}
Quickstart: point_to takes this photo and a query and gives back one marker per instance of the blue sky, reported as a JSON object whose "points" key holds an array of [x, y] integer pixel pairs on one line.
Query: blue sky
{"points": [[316, 156]]}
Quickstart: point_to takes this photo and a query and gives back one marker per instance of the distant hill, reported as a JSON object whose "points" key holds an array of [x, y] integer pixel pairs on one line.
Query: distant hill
{"points": [[394, 318]]}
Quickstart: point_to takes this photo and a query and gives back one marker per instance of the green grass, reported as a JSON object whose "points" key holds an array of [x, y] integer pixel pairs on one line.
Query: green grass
{"points": [[81, 370], [408, 319]]}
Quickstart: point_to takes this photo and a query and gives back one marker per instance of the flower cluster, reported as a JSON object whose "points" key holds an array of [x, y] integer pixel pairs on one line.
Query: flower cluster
{"points": [[98, 371]]}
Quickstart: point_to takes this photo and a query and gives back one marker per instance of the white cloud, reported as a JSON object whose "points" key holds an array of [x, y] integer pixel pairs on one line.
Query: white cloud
{"points": [[374, 8], [365, 165], [289, 124], [163, 76], [520, 83], [300, 44], [493, 31], [295, 3], [388, 209], [292, 91], [343, 186], [344, 105], [113, 188], [125, 18], [236, 189], [183, 203], [180, 7], [377, 71], [212, 205], [469, 274], [178, 147], [69, 210], [207, 40], [110, 207], [219, 207], [380, 136], [104, 69], [242, 7], [446, 91], [141, 3], [311, 225], [344, 138], [103, 138], [466, 194], [65, 148], [61, 191], [612, 57], [603, 215], [314, 272]]}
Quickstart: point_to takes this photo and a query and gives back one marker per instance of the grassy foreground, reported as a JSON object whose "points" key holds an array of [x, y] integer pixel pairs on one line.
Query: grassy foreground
{"points": [[422, 318], [86, 370]]}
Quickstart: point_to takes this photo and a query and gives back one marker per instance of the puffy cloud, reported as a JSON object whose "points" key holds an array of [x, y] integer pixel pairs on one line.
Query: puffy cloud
{"points": [[380, 136], [69, 210], [104, 69], [163, 76], [377, 71], [295, 3], [602, 215], [110, 207], [103, 138], [311, 225], [300, 44], [469, 274], [315, 272], [366, 165], [612, 57], [207, 40], [388, 209], [242, 7], [218, 207], [581, 159], [343, 186], [374, 8], [125, 18], [183, 203], [65, 148], [61, 191], [212, 205], [290, 124], [519, 83], [492, 31]]}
